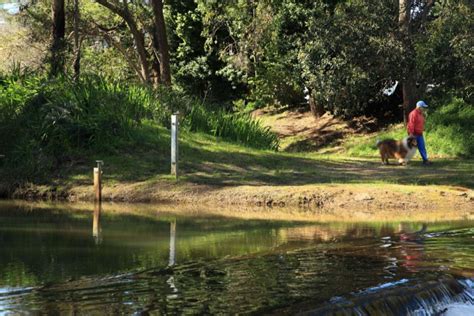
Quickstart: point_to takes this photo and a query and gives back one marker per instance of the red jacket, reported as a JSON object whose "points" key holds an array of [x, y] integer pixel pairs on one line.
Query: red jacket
{"points": [[416, 122]]}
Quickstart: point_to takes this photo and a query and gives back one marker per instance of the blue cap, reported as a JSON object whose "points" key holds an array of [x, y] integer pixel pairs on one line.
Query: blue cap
{"points": [[421, 104]]}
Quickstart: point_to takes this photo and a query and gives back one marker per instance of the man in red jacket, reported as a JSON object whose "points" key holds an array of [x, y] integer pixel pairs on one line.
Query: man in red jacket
{"points": [[416, 126]]}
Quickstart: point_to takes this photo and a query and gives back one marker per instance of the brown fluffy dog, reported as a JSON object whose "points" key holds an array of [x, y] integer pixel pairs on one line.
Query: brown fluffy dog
{"points": [[403, 150]]}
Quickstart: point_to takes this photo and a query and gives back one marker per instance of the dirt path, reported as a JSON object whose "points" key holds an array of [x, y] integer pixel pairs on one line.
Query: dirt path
{"points": [[300, 131]]}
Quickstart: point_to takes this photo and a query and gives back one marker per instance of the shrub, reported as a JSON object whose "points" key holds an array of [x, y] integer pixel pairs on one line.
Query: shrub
{"points": [[55, 120]]}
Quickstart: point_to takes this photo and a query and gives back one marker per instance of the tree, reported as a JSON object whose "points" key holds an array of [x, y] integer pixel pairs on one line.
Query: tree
{"points": [[122, 9], [347, 55], [77, 41], [160, 41], [445, 58], [58, 43], [412, 16], [153, 57]]}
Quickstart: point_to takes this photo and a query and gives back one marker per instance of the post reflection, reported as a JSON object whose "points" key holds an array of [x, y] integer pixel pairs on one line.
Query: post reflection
{"points": [[172, 258], [96, 228]]}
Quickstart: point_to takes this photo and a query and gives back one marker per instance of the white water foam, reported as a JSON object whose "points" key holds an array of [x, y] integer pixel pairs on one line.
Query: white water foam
{"points": [[459, 309]]}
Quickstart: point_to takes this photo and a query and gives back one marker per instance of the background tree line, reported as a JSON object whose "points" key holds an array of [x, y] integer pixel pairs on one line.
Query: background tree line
{"points": [[250, 53]]}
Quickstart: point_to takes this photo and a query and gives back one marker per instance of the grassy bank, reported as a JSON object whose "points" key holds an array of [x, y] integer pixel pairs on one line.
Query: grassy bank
{"points": [[49, 126], [206, 160], [215, 172]]}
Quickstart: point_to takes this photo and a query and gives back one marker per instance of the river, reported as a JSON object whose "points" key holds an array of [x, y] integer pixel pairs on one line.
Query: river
{"points": [[58, 259]]}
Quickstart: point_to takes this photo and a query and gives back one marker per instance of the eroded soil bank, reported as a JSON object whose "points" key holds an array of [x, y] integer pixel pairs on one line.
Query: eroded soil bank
{"points": [[324, 198]]}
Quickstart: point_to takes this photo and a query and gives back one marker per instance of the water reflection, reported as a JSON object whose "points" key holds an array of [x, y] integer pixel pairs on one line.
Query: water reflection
{"points": [[217, 265], [96, 228], [412, 248], [172, 260]]}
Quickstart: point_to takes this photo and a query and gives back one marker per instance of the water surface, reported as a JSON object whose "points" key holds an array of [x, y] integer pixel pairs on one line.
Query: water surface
{"points": [[55, 259]]}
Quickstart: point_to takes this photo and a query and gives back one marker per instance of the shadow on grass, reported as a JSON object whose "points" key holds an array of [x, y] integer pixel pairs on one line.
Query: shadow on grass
{"points": [[205, 161], [268, 169], [203, 166]]}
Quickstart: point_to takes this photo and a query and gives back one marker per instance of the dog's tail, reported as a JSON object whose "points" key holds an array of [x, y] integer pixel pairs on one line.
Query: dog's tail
{"points": [[378, 142]]}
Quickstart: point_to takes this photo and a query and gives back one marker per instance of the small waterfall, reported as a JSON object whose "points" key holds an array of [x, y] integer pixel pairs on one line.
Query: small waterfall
{"points": [[445, 296]]}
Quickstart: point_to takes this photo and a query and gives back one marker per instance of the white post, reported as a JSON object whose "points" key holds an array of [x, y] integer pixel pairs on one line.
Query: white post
{"points": [[174, 144]]}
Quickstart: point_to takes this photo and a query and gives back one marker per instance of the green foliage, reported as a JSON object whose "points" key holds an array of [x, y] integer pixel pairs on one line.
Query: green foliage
{"points": [[197, 67], [234, 127], [347, 55], [55, 120], [106, 63], [445, 53], [266, 52]]}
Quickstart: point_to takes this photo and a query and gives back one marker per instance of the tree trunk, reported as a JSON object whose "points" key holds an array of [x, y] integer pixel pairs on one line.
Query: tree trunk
{"points": [[138, 37], [410, 95], [139, 40], [77, 44], [409, 89], [155, 64], [161, 42], [316, 108], [58, 44]]}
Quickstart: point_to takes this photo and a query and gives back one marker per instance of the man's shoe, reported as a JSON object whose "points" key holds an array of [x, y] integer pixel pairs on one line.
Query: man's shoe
{"points": [[427, 163]]}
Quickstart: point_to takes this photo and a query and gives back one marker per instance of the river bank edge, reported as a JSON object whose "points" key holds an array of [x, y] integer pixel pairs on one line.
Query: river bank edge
{"points": [[319, 197]]}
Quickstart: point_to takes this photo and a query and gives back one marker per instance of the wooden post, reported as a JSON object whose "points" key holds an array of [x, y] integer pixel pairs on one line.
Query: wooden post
{"points": [[98, 181], [174, 144]]}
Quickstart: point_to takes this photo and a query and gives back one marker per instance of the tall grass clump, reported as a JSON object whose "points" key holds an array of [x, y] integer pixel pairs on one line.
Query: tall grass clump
{"points": [[241, 128]]}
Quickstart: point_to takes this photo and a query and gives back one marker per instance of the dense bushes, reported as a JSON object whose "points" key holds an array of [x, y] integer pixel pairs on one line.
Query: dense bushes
{"points": [[47, 122], [44, 123]]}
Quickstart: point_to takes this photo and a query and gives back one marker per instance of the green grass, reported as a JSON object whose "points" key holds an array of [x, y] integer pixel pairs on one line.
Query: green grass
{"points": [[237, 127], [206, 160]]}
